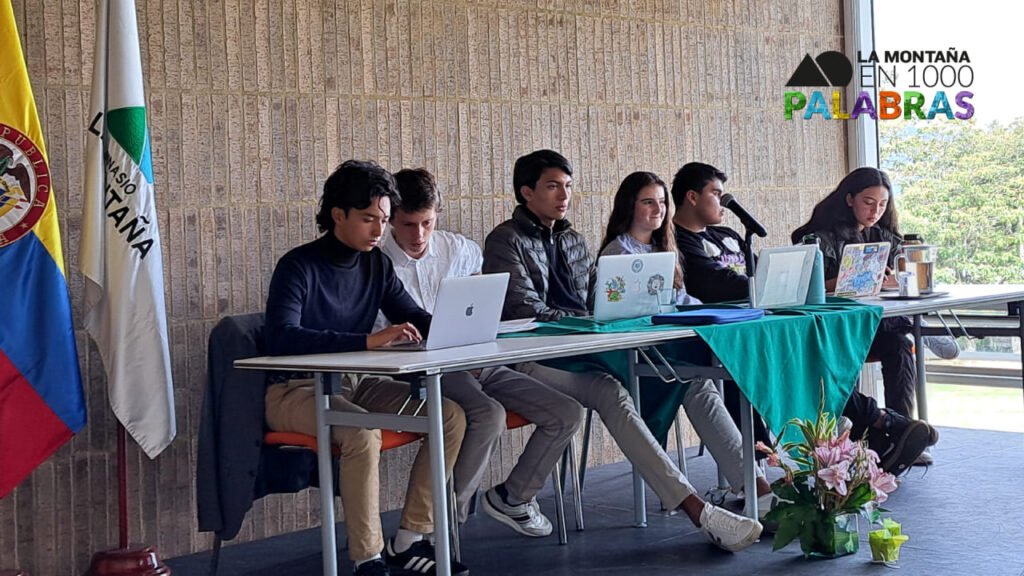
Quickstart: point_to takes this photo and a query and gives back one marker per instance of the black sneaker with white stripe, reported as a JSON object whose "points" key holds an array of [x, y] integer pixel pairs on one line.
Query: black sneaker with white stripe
{"points": [[375, 567], [418, 559]]}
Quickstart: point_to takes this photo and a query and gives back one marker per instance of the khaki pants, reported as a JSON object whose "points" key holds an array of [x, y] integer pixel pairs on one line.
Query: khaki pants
{"points": [[291, 407]]}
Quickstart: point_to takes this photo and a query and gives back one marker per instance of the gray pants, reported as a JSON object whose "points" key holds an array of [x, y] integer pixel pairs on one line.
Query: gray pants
{"points": [[612, 402], [484, 398]]}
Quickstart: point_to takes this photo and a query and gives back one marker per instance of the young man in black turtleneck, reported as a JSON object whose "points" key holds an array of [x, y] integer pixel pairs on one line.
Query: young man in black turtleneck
{"points": [[324, 297]]}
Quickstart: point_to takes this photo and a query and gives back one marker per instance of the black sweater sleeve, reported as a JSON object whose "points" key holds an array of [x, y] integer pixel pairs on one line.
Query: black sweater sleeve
{"points": [[285, 334]]}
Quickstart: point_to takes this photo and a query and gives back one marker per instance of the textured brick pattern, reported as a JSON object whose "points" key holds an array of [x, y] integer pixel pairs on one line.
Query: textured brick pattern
{"points": [[253, 102]]}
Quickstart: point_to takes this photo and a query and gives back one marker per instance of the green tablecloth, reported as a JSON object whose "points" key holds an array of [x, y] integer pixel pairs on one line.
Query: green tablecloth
{"points": [[779, 362]]}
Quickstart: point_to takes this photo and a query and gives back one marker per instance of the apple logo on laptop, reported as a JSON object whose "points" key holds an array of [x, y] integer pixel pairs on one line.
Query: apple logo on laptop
{"points": [[469, 310]]}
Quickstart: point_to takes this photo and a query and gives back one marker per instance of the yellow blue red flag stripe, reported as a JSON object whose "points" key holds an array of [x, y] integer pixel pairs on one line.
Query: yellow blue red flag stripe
{"points": [[41, 400]]}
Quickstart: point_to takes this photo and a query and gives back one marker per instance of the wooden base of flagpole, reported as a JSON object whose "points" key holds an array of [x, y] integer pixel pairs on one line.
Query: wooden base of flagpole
{"points": [[136, 560], [125, 560]]}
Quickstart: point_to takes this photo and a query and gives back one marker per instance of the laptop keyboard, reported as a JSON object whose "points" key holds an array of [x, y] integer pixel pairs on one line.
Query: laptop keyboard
{"points": [[406, 345]]}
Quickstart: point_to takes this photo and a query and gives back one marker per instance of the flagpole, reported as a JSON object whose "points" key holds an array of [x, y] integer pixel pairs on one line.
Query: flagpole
{"points": [[122, 487], [125, 560]]}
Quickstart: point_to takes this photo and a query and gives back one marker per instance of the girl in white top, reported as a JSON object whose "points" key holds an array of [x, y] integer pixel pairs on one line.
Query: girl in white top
{"points": [[641, 223]]}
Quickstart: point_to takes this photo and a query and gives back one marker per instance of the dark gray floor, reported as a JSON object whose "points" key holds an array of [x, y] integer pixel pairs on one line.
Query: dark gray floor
{"points": [[965, 515]]}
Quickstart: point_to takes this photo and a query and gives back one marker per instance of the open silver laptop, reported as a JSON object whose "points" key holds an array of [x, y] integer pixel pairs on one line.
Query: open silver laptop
{"points": [[467, 311], [628, 285], [783, 276]]}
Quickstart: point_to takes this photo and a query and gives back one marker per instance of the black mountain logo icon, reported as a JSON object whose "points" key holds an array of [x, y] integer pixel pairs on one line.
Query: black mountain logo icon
{"points": [[828, 69]]}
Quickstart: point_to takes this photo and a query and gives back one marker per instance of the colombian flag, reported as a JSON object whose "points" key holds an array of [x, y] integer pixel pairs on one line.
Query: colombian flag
{"points": [[41, 401]]}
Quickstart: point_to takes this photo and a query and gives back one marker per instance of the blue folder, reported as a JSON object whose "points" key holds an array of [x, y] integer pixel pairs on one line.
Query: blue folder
{"points": [[708, 316]]}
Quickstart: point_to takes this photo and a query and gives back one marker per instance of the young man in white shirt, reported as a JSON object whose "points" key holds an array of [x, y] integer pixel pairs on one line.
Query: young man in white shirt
{"points": [[422, 257]]}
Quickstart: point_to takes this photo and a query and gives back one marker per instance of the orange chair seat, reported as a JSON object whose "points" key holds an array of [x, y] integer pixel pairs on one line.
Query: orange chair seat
{"points": [[390, 439], [513, 420]]}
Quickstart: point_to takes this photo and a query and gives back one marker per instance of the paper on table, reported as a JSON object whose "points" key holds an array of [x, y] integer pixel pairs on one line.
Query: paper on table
{"points": [[521, 325]]}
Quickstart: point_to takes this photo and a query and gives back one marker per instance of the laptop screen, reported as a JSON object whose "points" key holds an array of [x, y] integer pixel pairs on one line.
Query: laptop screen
{"points": [[628, 285], [862, 269], [782, 276]]}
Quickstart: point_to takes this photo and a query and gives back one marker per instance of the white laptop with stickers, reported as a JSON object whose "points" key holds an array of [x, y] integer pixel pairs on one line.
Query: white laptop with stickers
{"points": [[628, 285], [862, 269]]}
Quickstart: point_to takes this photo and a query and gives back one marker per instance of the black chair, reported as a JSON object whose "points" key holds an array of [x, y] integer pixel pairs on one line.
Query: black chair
{"points": [[235, 467]]}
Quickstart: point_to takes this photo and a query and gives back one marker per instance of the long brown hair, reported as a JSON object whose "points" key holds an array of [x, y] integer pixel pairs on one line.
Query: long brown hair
{"points": [[623, 209], [833, 213]]}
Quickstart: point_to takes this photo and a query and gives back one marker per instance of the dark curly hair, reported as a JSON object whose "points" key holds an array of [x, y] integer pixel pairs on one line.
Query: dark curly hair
{"points": [[354, 184]]}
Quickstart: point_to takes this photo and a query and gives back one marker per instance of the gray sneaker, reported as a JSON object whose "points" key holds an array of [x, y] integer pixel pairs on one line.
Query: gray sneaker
{"points": [[944, 347], [526, 518]]}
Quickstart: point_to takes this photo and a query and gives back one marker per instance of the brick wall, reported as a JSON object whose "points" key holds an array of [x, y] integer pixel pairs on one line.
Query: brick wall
{"points": [[253, 102]]}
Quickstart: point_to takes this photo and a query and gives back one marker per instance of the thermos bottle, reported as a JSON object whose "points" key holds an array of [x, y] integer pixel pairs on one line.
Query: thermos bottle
{"points": [[816, 289]]}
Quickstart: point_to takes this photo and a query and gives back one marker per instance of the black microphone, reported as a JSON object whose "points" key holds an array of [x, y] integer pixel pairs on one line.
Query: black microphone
{"points": [[749, 221]]}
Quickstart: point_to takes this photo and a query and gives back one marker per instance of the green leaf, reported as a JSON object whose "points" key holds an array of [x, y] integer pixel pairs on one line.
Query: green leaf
{"points": [[785, 534], [784, 490], [790, 519], [858, 497]]}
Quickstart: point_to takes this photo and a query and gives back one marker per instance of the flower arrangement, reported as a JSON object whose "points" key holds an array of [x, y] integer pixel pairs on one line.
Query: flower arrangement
{"points": [[832, 479]]}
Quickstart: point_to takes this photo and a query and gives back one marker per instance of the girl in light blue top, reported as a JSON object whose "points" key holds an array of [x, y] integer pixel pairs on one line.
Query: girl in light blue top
{"points": [[641, 223]]}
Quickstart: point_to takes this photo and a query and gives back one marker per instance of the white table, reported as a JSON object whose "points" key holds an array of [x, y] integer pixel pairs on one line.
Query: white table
{"points": [[432, 364], [958, 297]]}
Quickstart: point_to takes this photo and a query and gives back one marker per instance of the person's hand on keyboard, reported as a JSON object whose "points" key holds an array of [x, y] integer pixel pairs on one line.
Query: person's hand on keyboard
{"points": [[393, 334]]}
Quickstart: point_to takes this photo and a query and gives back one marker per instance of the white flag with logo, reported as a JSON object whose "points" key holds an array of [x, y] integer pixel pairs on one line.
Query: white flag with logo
{"points": [[120, 253]]}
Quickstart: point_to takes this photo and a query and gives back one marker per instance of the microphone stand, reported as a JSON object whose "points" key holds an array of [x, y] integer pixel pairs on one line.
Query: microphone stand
{"points": [[746, 415], [748, 255]]}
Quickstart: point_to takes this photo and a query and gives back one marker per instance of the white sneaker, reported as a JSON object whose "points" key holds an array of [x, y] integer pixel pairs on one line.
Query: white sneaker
{"points": [[526, 518], [728, 531], [944, 347]]}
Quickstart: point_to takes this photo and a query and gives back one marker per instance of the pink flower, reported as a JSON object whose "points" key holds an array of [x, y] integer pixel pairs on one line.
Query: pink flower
{"points": [[773, 460], [872, 459], [835, 476], [847, 450], [828, 455], [883, 483], [843, 438], [763, 448]]}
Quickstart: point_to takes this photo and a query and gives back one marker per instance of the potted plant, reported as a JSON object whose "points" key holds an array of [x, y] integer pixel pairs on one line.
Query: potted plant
{"points": [[829, 481]]}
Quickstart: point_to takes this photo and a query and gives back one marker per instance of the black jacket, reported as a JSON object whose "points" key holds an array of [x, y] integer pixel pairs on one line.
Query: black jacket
{"points": [[233, 467], [519, 246]]}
